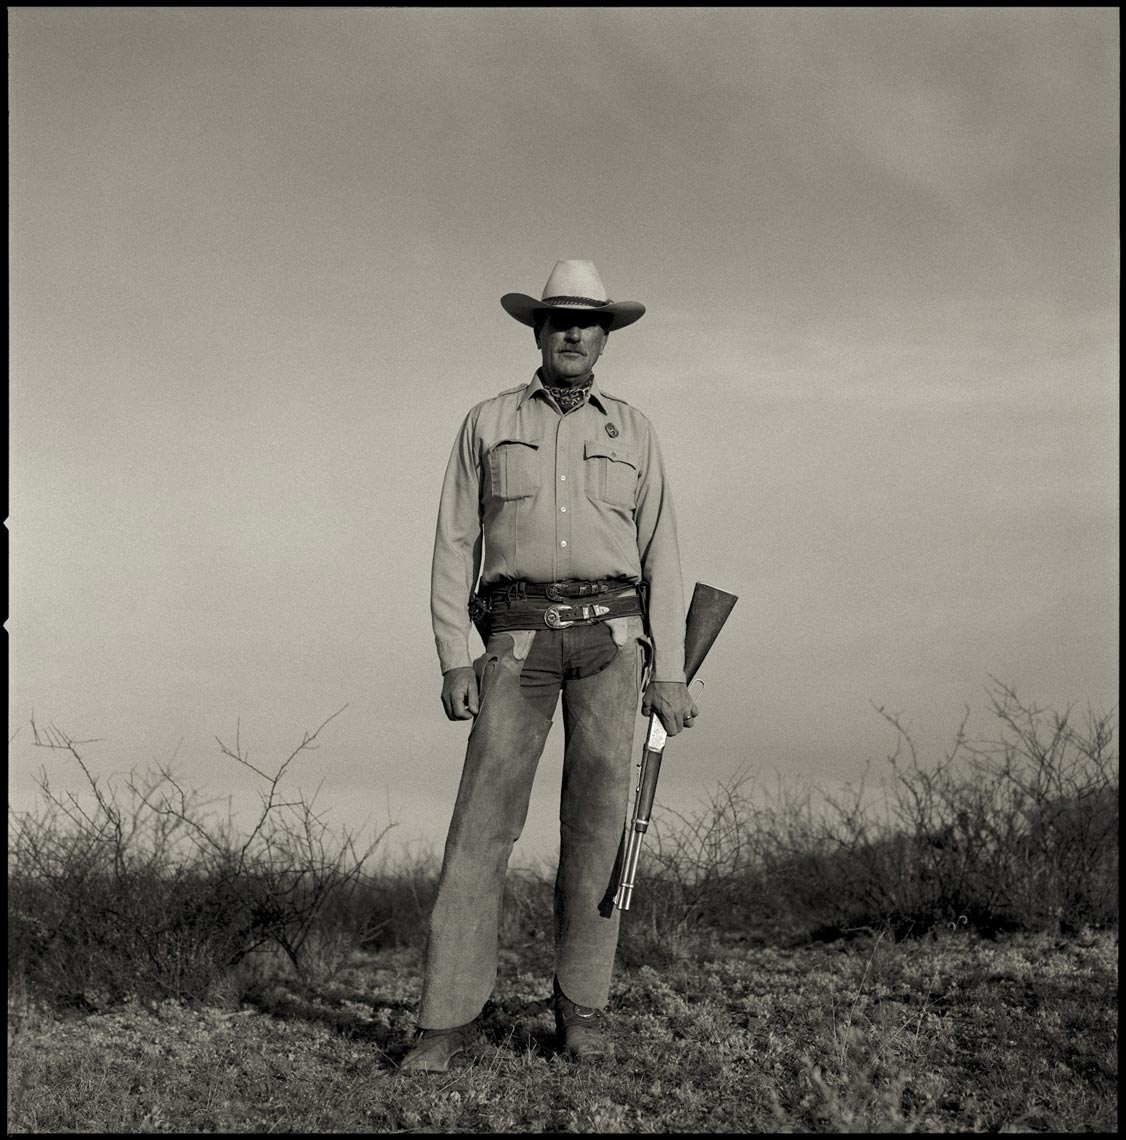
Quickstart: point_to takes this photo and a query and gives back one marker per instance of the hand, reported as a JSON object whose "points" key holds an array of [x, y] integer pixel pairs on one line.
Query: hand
{"points": [[459, 693], [671, 701]]}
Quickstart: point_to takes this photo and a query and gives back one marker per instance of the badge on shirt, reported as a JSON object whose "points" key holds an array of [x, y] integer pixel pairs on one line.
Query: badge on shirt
{"points": [[611, 431]]}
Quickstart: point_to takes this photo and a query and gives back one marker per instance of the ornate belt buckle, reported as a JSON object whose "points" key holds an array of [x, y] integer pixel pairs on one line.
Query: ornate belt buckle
{"points": [[554, 592], [554, 619], [588, 614]]}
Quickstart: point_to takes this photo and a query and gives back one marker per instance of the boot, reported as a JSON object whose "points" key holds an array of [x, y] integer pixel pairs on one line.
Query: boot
{"points": [[580, 1030], [435, 1048]]}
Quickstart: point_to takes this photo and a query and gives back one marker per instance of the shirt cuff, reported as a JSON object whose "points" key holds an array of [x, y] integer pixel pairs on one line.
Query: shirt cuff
{"points": [[665, 669], [454, 654]]}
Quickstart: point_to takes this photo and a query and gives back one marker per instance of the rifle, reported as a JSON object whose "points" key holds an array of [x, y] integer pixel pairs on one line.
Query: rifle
{"points": [[707, 613]]}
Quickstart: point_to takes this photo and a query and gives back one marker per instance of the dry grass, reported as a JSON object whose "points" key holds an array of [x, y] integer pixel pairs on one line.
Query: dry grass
{"points": [[957, 1034]]}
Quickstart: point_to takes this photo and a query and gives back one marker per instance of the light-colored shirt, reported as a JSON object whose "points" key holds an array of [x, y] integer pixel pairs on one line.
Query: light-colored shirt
{"points": [[533, 494]]}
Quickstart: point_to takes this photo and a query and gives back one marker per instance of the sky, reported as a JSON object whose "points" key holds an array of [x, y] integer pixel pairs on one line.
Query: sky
{"points": [[255, 262]]}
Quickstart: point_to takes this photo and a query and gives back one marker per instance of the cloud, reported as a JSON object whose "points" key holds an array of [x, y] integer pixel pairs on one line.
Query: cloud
{"points": [[927, 134], [949, 100]]}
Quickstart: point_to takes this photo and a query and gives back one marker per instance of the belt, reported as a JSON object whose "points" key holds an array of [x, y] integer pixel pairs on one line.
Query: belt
{"points": [[504, 609], [557, 591]]}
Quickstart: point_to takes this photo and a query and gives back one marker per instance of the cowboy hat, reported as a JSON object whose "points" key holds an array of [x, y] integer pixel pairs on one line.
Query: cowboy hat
{"points": [[572, 285]]}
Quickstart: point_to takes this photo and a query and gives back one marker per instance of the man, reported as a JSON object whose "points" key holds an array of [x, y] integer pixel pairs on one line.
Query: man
{"points": [[555, 497]]}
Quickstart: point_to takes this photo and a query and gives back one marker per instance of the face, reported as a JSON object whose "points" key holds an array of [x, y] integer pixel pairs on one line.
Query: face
{"points": [[570, 342]]}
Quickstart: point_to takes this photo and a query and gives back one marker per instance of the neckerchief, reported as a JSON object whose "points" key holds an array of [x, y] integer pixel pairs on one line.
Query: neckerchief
{"points": [[568, 398]]}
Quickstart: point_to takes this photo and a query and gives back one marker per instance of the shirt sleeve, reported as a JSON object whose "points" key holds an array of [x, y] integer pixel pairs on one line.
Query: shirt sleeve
{"points": [[457, 550], [660, 564]]}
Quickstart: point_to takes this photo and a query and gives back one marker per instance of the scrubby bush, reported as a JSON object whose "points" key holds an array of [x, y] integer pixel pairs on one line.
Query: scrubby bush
{"points": [[392, 905], [1014, 831], [144, 892]]}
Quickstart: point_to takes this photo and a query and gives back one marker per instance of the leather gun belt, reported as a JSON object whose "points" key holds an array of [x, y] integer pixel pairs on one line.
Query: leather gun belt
{"points": [[555, 605]]}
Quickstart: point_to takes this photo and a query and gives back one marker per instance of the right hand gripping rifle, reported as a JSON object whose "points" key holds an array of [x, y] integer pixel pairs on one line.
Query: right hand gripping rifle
{"points": [[707, 613]]}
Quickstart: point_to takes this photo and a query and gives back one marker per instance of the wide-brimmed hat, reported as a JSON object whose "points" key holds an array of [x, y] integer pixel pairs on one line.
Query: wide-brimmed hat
{"points": [[573, 285]]}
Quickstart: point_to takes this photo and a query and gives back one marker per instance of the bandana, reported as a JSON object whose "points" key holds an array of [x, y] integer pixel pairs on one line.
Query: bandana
{"points": [[568, 398]]}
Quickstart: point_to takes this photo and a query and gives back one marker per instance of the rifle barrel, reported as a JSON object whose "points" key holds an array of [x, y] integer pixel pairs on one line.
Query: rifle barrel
{"points": [[629, 871]]}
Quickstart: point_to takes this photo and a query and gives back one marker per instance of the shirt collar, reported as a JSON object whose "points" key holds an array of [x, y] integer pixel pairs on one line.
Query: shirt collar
{"points": [[536, 385]]}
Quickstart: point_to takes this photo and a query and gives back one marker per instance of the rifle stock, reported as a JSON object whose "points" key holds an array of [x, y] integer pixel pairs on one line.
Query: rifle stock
{"points": [[710, 608]]}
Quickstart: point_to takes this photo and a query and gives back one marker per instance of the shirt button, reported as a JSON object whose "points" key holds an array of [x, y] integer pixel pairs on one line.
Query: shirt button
{"points": [[563, 509], [563, 478], [563, 543]]}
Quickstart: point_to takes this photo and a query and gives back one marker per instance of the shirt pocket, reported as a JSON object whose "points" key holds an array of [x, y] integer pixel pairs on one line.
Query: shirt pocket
{"points": [[514, 468], [611, 473]]}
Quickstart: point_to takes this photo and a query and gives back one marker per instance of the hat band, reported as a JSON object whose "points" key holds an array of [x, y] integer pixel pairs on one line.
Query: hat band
{"points": [[574, 301]]}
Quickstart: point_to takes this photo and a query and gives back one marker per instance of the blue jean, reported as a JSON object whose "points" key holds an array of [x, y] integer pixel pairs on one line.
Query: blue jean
{"points": [[598, 669]]}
